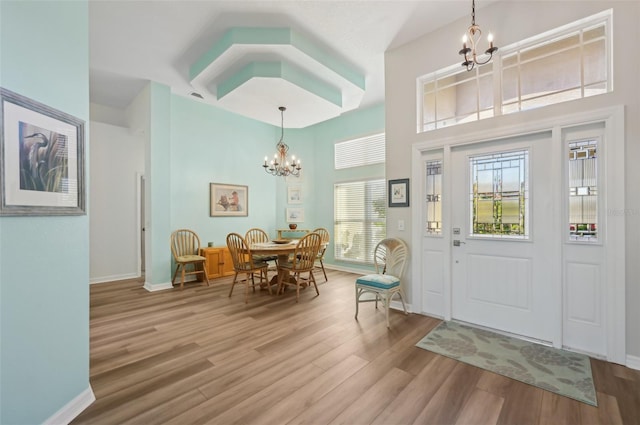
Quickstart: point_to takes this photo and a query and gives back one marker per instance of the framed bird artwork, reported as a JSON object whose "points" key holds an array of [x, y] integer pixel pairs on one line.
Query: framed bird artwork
{"points": [[41, 159]]}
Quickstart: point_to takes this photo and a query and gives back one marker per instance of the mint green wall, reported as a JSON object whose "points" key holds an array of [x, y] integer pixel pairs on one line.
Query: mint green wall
{"points": [[302, 145], [157, 184], [351, 125], [44, 261], [211, 145]]}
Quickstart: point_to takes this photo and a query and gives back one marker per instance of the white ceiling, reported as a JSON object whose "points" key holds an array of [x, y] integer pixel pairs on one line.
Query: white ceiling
{"points": [[132, 42]]}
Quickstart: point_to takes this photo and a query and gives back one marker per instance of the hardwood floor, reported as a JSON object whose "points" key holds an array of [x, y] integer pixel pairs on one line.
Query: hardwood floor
{"points": [[196, 356]]}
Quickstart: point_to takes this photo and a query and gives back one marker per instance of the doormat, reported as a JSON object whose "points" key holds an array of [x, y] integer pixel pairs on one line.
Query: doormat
{"points": [[558, 371]]}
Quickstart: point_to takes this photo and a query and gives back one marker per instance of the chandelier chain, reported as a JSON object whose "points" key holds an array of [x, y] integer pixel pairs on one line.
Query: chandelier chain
{"points": [[473, 12]]}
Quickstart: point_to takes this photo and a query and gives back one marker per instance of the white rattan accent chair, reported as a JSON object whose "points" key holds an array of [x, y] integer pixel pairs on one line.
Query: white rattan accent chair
{"points": [[389, 258]]}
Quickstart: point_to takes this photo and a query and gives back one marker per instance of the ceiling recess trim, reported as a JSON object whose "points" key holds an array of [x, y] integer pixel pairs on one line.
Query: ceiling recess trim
{"points": [[275, 36], [282, 70]]}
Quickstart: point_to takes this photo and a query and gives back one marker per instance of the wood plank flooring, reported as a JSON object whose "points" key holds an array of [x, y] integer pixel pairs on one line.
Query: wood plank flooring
{"points": [[197, 356]]}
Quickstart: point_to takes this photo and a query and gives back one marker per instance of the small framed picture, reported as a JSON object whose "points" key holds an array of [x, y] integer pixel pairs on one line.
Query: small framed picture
{"points": [[294, 195], [295, 215], [228, 200], [41, 159], [399, 193]]}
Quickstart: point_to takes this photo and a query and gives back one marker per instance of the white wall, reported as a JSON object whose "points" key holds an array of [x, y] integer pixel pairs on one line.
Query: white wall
{"points": [[117, 157], [510, 22]]}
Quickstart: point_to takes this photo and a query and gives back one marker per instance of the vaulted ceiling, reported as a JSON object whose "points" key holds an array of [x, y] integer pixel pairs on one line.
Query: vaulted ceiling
{"points": [[317, 58]]}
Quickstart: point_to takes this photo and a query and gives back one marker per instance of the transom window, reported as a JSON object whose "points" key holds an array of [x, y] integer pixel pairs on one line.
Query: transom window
{"points": [[359, 152], [499, 195], [569, 67], [458, 98], [567, 63]]}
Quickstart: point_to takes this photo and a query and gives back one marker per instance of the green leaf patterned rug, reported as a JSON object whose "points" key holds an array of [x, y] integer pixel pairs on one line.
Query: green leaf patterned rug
{"points": [[558, 371]]}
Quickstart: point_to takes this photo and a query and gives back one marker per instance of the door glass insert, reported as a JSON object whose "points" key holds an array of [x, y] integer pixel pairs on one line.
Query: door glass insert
{"points": [[583, 191], [499, 195], [434, 197]]}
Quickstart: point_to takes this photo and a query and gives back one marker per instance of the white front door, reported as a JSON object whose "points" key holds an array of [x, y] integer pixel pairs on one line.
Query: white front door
{"points": [[505, 256]]}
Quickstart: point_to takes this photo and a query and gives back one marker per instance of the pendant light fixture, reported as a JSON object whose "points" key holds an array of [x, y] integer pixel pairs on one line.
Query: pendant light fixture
{"points": [[280, 164], [473, 36]]}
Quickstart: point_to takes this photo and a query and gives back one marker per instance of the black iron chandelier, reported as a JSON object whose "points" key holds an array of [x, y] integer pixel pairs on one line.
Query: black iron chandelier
{"points": [[280, 165], [473, 36]]}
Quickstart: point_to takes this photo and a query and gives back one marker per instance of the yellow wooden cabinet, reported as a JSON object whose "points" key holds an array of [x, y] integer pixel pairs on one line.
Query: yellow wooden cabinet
{"points": [[219, 262]]}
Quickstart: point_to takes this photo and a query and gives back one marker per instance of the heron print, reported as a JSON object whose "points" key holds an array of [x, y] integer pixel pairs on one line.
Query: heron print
{"points": [[43, 159]]}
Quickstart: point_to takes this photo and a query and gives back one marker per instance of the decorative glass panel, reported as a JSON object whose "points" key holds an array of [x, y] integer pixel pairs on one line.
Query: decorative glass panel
{"points": [[500, 195], [434, 197], [583, 191]]}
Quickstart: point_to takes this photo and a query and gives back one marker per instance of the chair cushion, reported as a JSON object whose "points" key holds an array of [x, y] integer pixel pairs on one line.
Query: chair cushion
{"points": [[256, 265], [189, 258], [288, 265], [264, 257], [382, 281]]}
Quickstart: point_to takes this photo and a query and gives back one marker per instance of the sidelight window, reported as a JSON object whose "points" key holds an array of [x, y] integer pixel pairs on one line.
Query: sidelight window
{"points": [[434, 198], [583, 191]]}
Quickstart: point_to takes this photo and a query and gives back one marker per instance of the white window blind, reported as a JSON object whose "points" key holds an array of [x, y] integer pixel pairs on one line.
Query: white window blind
{"points": [[360, 219], [358, 152]]}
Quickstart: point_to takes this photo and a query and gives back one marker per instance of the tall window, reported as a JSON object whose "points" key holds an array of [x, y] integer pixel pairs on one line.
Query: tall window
{"points": [[570, 62], [360, 219]]}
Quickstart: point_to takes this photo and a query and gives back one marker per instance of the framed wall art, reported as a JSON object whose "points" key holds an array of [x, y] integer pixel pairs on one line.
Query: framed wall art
{"points": [[294, 195], [295, 215], [228, 200], [41, 159], [399, 193]]}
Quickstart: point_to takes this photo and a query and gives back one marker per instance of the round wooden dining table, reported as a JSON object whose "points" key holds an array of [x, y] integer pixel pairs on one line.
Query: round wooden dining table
{"points": [[282, 250]]}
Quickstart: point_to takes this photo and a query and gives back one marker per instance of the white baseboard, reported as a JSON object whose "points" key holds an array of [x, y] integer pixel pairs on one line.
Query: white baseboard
{"points": [[153, 287], [73, 408], [346, 269], [397, 305], [633, 362], [112, 278]]}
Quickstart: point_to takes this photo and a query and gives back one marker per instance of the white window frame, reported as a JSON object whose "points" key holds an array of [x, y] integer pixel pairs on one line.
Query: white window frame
{"points": [[605, 17]]}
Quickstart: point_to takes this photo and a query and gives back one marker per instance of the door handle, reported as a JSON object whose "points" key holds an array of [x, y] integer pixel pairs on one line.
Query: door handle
{"points": [[456, 242]]}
